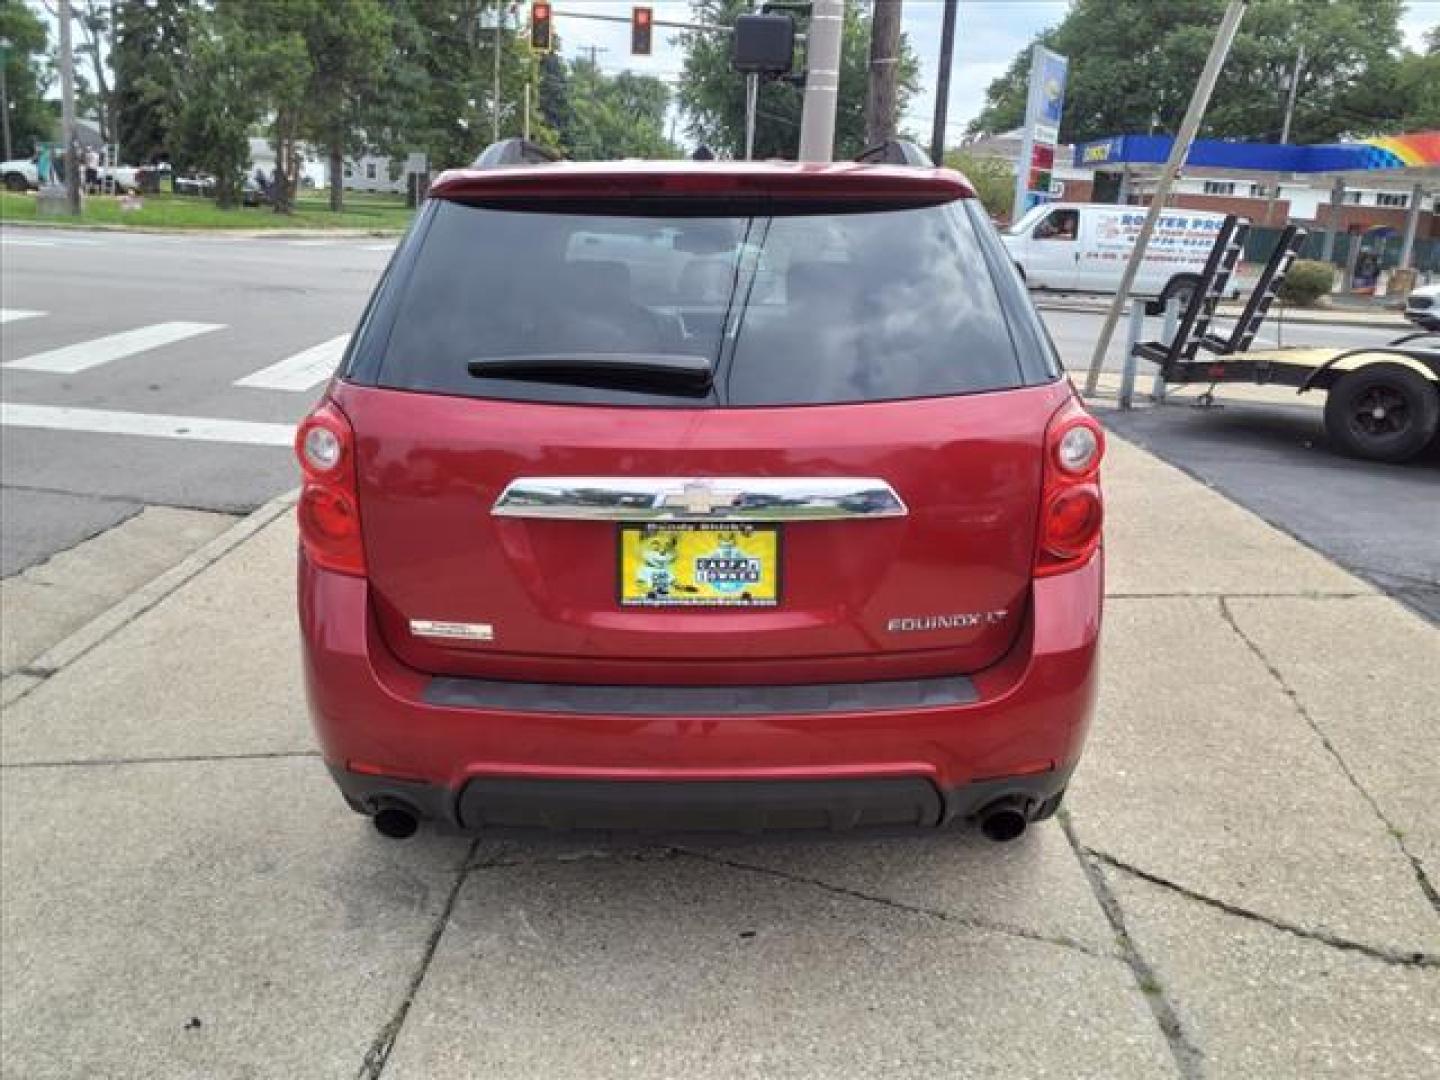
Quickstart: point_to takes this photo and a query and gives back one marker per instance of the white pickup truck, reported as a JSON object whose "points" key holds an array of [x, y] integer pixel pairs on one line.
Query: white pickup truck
{"points": [[23, 174], [1083, 247]]}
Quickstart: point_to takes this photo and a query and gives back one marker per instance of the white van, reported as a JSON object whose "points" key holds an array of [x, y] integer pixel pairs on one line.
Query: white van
{"points": [[1083, 247]]}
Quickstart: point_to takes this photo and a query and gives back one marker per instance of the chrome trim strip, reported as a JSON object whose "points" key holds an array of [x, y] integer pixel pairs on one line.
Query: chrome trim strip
{"points": [[710, 498]]}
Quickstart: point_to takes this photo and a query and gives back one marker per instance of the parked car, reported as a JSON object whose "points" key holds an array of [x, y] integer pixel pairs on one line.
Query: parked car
{"points": [[20, 174], [199, 184], [577, 551], [1422, 307], [1083, 247]]}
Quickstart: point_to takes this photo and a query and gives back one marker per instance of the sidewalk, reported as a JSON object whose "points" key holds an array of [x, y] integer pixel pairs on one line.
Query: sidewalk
{"points": [[1243, 884]]}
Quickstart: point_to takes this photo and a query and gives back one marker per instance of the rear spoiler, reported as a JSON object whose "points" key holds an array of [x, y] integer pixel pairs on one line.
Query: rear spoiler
{"points": [[514, 152]]}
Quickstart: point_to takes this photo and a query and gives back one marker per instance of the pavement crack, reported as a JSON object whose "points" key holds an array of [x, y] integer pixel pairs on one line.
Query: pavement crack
{"points": [[969, 922], [1386, 956], [1189, 1058], [173, 759], [1422, 879], [378, 1056]]}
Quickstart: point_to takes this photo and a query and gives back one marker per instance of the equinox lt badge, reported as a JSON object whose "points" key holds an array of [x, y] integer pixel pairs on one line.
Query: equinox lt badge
{"points": [[961, 621]]}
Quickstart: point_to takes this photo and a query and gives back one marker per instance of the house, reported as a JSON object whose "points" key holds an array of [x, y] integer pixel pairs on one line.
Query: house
{"points": [[374, 172]]}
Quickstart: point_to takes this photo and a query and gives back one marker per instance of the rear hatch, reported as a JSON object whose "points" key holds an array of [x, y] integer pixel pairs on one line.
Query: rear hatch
{"points": [[788, 441]]}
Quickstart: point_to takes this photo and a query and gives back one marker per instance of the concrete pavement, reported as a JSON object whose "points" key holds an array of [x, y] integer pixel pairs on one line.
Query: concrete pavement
{"points": [[1243, 883]]}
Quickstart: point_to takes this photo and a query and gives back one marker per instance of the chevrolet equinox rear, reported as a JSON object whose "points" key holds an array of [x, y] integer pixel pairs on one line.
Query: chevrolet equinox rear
{"points": [[700, 495]]}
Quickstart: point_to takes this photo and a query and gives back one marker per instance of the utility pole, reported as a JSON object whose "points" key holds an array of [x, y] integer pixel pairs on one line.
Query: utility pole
{"points": [[1179, 151], [942, 84], [884, 72], [1285, 127], [5, 95], [1290, 102], [495, 88], [67, 113], [822, 82]]}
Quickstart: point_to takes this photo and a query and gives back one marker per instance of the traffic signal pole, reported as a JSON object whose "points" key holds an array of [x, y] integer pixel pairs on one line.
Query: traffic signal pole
{"points": [[822, 81]]}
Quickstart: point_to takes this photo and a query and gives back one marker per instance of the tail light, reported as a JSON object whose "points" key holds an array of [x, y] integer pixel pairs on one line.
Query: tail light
{"points": [[329, 510], [1071, 509]]}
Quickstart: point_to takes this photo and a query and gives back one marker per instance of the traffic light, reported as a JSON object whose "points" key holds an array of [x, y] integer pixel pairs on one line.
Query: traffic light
{"points": [[642, 22], [540, 29]]}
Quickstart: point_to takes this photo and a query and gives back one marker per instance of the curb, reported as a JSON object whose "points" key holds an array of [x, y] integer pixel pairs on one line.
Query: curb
{"points": [[1362, 323], [238, 234], [65, 652]]}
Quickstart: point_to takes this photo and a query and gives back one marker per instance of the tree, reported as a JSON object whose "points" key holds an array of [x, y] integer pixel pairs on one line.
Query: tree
{"points": [[347, 44], [992, 178], [152, 44], [221, 89], [616, 116], [93, 21], [713, 96], [26, 77], [446, 51], [1133, 65]]}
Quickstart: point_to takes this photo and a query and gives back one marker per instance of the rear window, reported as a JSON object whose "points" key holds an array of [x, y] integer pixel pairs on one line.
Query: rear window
{"points": [[792, 309]]}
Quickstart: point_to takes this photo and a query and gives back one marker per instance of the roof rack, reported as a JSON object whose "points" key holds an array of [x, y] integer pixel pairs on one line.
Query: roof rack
{"points": [[514, 151], [896, 152]]}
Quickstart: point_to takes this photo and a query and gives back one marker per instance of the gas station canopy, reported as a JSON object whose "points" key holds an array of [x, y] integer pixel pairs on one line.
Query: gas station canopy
{"points": [[1417, 153]]}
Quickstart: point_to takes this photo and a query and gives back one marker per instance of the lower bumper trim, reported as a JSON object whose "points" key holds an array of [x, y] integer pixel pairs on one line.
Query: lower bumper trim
{"points": [[695, 805]]}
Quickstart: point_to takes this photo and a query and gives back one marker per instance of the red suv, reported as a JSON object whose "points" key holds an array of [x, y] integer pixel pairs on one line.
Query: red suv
{"points": [[701, 495]]}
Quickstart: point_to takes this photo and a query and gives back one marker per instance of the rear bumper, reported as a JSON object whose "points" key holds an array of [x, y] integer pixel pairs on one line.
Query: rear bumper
{"points": [[388, 735]]}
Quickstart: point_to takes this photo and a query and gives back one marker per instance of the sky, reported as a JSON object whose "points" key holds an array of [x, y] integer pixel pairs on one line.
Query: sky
{"points": [[988, 35]]}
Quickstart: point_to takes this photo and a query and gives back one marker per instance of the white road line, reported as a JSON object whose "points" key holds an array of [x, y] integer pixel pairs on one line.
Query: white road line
{"points": [[9, 315], [31, 241], [155, 425], [377, 247], [302, 371], [311, 243], [89, 354]]}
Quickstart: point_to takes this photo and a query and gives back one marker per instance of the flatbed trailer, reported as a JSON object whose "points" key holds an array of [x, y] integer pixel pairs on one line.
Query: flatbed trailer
{"points": [[1382, 401]]}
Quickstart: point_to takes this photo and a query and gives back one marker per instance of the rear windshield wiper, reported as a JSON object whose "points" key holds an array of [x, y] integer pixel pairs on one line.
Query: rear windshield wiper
{"points": [[684, 373]]}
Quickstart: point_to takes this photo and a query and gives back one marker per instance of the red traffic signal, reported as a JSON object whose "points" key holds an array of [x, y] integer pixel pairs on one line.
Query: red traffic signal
{"points": [[642, 22], [541, 39]]}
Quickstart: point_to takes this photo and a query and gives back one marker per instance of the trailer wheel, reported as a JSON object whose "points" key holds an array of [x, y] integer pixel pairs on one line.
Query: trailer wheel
{"points": [[1383, 412], [15, 181]]}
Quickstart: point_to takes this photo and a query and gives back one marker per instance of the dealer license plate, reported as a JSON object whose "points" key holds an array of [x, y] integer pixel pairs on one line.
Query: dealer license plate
{"points": [[699, 564]]}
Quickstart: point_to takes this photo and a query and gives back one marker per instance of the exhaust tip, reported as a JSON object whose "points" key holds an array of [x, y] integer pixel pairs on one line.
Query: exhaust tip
{"points": [[396, 822], [1003, 821]]}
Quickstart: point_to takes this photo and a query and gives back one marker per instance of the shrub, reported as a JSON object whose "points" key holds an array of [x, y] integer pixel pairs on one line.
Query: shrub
{"points": [[1307, 282]]}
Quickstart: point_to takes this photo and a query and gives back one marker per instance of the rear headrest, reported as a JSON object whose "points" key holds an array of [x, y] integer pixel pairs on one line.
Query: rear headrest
{"points": [[812, 282], [604, 280]]}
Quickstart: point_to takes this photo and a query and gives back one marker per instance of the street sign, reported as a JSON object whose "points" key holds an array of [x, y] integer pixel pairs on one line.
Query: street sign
{"points": [[1043, 109]]}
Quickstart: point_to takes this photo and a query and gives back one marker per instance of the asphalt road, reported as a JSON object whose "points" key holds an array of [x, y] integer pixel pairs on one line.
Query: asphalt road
{"points": [[243, 305], [95, 427]]}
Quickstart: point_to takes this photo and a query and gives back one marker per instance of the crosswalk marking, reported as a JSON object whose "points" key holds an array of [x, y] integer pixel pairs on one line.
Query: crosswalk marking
{"points": [[89, 354], [157, 425], [302, 371], [9, 315]]}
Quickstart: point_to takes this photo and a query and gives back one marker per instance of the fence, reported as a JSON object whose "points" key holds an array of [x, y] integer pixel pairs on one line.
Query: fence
{"points": [[1426, 257]]}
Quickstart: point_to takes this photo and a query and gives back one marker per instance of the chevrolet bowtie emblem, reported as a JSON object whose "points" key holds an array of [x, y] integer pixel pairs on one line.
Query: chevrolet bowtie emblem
{"points": [[700, 498]]}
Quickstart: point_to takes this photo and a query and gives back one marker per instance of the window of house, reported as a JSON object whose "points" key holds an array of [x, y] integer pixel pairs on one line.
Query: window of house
{"points": [[349, 170], [1396, 199], [370, 170], [1354, 198], [1219, 187]]}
